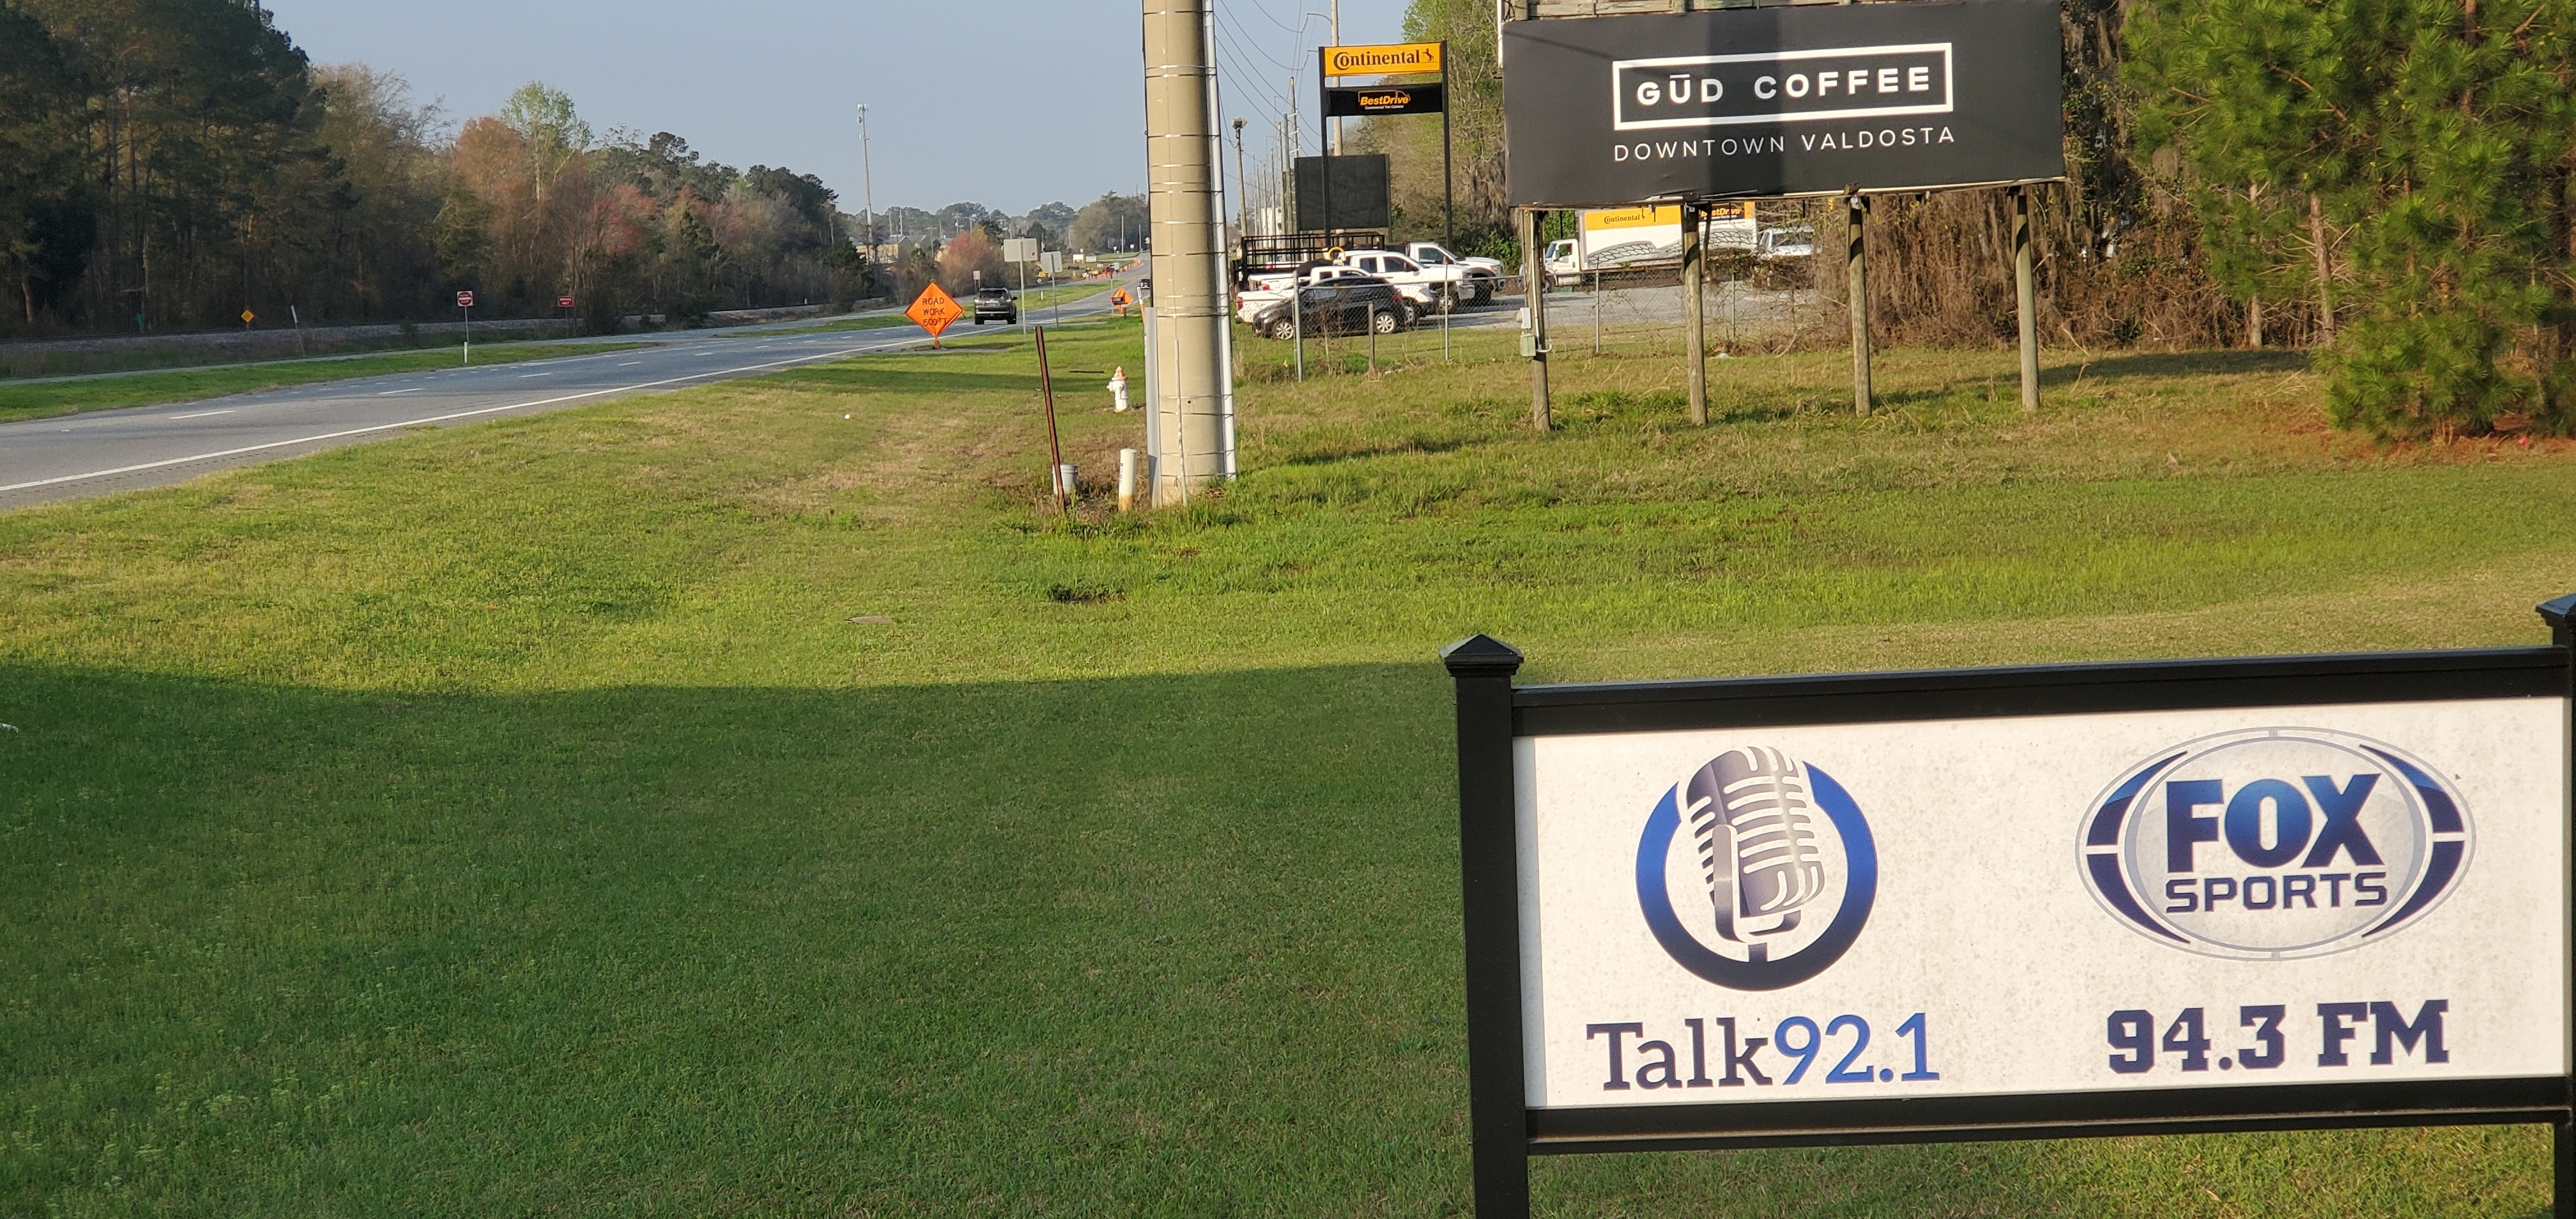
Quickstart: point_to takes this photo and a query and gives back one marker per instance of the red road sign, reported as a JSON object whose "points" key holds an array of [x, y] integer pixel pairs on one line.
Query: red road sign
{"points": [[464, 300], [563, 302], [933, 310]]}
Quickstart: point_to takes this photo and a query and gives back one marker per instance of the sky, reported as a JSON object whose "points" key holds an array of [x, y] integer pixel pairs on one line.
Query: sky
{"points": [[1006, 103]]}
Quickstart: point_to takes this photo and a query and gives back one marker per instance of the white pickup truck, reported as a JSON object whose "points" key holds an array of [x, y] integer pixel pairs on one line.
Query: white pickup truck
{"points": [[1484, 275], [1439, 287]]}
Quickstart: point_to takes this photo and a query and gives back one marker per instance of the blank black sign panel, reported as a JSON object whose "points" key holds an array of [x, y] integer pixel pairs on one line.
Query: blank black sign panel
{"points": [[1356, 194], [1802, 100]]}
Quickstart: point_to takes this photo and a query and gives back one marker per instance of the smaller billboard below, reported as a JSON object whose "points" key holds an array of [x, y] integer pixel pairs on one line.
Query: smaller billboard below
{"points": [[1353, 198], [1342, 102]]}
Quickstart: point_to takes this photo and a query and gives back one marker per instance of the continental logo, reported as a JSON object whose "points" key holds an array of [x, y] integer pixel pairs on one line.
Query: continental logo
{"points": [[1382, 60]]}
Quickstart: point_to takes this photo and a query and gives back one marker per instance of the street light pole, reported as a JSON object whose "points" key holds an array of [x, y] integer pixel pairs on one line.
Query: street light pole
{"points": [[1242, 187]]}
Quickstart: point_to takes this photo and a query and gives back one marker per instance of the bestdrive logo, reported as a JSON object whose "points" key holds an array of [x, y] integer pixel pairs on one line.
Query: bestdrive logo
{"points": [[1781, 86]]}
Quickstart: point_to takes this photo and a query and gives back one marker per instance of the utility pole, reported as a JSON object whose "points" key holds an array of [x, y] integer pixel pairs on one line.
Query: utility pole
{"points": [[1185, 255], [868, 181]]}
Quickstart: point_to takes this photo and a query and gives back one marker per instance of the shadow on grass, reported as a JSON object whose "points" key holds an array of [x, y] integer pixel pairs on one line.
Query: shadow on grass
{"points": [[2180, 364], [1180, 944]]}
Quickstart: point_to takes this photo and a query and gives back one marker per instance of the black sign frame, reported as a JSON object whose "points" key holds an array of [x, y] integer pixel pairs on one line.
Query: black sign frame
{"points": [[1782, 102], [1492, 713]]}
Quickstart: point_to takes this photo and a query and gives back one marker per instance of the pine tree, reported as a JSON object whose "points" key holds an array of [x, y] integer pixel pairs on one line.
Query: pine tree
{"points": [[2435, 135]]}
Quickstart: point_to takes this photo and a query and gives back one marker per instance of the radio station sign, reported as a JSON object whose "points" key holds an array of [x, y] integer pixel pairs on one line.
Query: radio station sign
{"points": [[2062, 900], [1385, 99], [1782, 101]]}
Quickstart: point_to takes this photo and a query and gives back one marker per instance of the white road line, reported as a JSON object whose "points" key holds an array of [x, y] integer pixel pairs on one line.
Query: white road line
{"points": [[391, 392], [386, 427], [525, 375], [203, 414], [630, 363]]}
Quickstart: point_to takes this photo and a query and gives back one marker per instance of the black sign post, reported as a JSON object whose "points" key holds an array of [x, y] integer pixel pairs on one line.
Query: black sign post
{"points": [[1505, 733]]}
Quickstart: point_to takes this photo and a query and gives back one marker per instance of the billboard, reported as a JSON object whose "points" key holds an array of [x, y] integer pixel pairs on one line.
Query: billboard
{"points": [[1797, 100], [2269, 892]]}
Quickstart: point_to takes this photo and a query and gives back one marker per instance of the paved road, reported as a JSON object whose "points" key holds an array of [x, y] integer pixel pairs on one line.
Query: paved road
{"points": [[72, 456]]}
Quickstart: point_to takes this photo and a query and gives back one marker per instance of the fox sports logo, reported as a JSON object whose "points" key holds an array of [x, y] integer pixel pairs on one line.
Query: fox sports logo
{"points": [[1757, 871], [2275, 843]]}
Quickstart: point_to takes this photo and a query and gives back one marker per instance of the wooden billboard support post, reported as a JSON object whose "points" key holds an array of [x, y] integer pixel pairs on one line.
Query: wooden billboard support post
{"points": [[2025, 298], [1856, 259], [1534, 335], [1694, 321]]}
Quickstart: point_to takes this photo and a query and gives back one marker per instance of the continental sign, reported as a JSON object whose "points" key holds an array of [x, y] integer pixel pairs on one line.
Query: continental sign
{"points": [[1385, 99], [1387, 60], [1600, 219]]}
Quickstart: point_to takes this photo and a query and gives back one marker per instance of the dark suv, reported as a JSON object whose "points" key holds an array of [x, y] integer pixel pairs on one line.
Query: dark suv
{"points": [[995, 305], [1351, 304]]}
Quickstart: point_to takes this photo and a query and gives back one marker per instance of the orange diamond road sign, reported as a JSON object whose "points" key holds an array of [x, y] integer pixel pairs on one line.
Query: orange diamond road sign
{"points": [[933, 310], [248, 317]]}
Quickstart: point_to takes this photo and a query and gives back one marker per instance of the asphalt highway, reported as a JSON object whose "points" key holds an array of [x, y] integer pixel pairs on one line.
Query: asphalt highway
{"points": [[72, 456]]}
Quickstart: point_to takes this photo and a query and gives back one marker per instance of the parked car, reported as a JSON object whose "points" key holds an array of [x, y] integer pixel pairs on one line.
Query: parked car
{"points": [[1267, 288], [996, 305], [1343, 304]]}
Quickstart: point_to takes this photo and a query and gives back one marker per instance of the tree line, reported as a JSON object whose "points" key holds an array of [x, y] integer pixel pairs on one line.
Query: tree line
{"points": [[2389, 183], [173, 163]]}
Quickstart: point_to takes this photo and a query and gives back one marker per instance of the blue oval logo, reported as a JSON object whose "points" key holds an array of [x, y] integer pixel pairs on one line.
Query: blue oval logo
{"points": [[1773, 879], [2275, 843]]}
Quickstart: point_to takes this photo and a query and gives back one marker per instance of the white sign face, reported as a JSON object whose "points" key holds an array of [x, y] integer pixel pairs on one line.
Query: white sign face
{"points": [[1019, 249], [2077, 903]]}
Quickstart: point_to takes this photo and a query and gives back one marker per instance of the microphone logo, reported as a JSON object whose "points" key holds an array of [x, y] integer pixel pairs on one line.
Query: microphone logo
{"points": [[1777, 873], [1756, 831]]}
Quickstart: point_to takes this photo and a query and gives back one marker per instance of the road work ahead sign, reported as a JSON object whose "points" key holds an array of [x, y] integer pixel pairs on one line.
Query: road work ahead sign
{"points": [[2269, 892], [933, 310], [1804, 100]]}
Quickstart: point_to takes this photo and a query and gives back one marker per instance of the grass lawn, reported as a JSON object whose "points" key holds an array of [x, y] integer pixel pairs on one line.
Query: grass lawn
{"points": [[511, 819], [155, 388]]}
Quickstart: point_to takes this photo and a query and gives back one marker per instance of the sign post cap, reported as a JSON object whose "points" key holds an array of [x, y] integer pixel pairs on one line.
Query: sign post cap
{"points": [[2556, 613], [1481, 656]]}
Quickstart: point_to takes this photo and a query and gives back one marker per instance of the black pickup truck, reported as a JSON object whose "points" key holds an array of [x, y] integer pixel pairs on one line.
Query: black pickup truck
{"points": [[995, 305]]}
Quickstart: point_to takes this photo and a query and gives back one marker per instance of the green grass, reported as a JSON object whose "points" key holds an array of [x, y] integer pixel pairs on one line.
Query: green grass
{"points": [[508, 819], [149, 389]]}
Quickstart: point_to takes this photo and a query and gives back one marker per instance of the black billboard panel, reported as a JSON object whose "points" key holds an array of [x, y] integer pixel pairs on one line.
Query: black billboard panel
{"points": [[1356, 194], [1798, 100], [1385, 99]]}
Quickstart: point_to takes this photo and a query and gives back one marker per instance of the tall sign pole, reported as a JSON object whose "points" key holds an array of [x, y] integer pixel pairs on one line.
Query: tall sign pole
{"points": [[1448, 187], [1185, 255]]}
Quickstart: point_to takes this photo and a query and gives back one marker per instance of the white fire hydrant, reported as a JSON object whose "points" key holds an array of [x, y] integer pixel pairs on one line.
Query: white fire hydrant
{"points": [[1118, 389]]}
